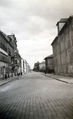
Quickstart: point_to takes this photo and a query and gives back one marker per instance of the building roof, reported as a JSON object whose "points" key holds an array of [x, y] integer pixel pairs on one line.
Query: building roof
{"points": [[54, 40], [7, 38], [63, 20], [4, 35], [48, 57], [42, 62], [67, 21]]}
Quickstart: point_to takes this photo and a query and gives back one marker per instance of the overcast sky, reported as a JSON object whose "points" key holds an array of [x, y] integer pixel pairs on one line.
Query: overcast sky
{"points": [[34, 24]]}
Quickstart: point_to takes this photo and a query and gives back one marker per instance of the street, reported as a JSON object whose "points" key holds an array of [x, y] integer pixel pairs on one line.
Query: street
{"points": [[36, 96]]}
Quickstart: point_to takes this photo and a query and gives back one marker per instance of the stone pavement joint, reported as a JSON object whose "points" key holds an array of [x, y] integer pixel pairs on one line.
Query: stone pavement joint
{"points": [[5, 81]]}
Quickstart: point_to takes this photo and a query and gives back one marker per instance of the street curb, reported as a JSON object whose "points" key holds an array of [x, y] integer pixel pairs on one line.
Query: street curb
{"points": [[8, 81], [57, 79]]}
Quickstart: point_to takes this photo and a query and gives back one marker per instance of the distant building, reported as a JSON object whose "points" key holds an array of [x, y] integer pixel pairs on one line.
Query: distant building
{"points": [[22, 65], [63, 47], [28, 68], [17, 63], [42, 66], [25, 68], [36, 66], [13, 41], [49, 63]]}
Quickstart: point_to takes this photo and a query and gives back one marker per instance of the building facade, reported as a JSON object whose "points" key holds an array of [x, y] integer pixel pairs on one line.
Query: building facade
{"points": [[17, 63], [49, 63], [6, 50], [11, 62], [8, 46], [42, 66], [63, 47], [36, 66], [12, 49], [22, 66], [25, 68]]}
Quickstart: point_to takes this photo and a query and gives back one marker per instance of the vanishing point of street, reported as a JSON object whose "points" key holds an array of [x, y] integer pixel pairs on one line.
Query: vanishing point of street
{"points": [[36, 96]]}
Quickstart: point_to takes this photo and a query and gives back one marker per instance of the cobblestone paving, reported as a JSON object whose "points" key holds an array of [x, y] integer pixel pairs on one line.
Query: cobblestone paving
{"points": [[36, 97]]}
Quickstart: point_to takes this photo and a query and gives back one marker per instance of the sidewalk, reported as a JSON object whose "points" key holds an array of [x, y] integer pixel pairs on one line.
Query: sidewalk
{"points": [[61, 78], [4, 81]]}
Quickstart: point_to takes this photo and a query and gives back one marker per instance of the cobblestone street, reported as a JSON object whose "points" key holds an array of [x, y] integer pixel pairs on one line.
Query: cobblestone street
{"points": [[36, 96]]}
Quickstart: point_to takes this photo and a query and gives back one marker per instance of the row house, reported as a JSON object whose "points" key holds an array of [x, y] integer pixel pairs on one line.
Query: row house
{"points": [[39, 66], [8, 49], [26, 67], [63, 47], [46, 66], [49, 64], [36, 66], [42, 66], [17, 63]]}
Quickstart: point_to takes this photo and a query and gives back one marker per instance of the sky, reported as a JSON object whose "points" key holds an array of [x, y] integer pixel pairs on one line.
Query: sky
{"points": [[34, 24]]}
